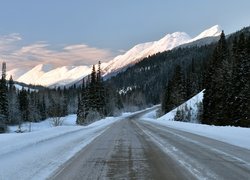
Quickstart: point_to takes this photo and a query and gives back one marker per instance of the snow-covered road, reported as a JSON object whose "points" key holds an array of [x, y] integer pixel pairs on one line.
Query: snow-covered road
{"points": [[37, 154], [137, 149], [203, 157], [128, 147]]}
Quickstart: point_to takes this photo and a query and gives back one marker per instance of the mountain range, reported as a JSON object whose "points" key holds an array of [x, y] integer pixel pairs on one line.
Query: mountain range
{"points": [[46, 75]]}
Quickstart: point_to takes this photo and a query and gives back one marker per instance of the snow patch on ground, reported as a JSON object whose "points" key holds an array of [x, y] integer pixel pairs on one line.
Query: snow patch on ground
{"points": [[69, 120], [191, 105]]}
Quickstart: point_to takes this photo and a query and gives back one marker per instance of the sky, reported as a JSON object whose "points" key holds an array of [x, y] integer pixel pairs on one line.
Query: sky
{"points": [[81, 32]]}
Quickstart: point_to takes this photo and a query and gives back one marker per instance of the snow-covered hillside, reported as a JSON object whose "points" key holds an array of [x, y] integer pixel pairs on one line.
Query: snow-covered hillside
{"points": [[16, 73], [237, 136], [145, 49], [168, 42], [47, 76], [190, 106], [42, 75]]}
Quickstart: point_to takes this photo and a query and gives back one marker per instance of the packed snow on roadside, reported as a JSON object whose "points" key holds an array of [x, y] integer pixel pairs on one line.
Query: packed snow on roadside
{"points": [[237, 136], [69, 120], [36, 154]]}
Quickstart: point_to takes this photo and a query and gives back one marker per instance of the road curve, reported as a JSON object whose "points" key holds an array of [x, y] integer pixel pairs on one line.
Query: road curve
{"points": [[135, 149]]}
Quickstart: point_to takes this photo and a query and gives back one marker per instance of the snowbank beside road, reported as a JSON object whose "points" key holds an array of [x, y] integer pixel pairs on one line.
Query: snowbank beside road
{"points": [[237, 136], [37, 154]]}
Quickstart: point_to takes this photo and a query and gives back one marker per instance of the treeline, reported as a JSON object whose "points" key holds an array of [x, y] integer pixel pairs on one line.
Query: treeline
{"points": [[172, 77], [227, 83], [226, 80], [182, 87], [90, 102], [32, 105], [144, 83], [96, 100]]}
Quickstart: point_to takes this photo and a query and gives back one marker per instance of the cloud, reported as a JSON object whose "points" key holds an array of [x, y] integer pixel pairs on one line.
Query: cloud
{"points": [[7, 41], [122, 51], [41, 52]]}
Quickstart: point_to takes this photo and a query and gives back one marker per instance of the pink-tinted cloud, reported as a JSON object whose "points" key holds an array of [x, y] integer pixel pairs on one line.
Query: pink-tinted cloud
{"points": [[31, 55]]}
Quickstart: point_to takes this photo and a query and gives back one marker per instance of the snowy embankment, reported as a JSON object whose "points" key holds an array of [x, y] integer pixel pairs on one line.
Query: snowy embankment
{"points": [[37, 154], [237, 136]]}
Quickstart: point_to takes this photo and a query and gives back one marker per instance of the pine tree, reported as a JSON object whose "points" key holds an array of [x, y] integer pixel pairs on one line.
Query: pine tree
{"points": [[42, 107], [241, 79], [175, 92], [92, 90], [100, 91], [92, 101], [11, 84], [179, 116], [24, 104], [216, 93], [83, 105], [13, 110], [3, 95]]}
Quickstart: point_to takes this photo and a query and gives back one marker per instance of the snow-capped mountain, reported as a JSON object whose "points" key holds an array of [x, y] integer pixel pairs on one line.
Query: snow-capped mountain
{"points": [[143, 50], [47, 76], [211, 32], [33, 75], [168, 42], [15, 73]]}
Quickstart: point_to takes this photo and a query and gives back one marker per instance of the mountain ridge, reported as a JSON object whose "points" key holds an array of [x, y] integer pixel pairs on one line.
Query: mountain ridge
{"points": [[47, 76]]}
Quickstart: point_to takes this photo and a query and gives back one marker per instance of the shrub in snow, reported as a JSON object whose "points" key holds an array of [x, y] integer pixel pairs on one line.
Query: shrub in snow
{"points": [[57, 121]]}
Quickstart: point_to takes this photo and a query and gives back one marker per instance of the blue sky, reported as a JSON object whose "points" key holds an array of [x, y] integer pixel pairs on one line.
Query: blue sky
{"points": [[105, 26]]}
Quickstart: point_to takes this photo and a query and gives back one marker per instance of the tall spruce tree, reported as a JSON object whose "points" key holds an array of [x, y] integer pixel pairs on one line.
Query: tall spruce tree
{"points": [[93, 90], [241, 82], [92, 99], [13, 110], [175, 92], [24, 104], [215, 94], [83, 105], [3, 93], [100, 91]]}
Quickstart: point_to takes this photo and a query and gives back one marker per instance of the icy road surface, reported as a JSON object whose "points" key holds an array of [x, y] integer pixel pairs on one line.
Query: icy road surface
{"points": [[135, 149]]}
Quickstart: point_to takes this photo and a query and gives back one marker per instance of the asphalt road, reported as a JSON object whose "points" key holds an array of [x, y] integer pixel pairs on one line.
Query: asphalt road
{"points": [[136, 149]]}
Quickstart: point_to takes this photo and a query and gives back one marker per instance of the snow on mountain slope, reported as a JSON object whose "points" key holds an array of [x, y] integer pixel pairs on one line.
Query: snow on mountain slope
{"points": [[211, 32], [46, 76], [64, 75], [34, 74], [15, 73], [168, 42], [145, 49]]}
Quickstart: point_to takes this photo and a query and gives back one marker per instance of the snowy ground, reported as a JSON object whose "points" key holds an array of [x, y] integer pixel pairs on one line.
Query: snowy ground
{"points": [[237, 136], [69, 120], [36, 154]]}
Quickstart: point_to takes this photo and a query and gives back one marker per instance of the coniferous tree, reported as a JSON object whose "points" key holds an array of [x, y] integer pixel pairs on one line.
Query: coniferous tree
{"points": [[83, 105], [241, 82], [3, 95], [175, 92], [92, 90], [215, 85], [100, 91], [92, 100], [42, 108], [23, 107], [13, 105]]}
